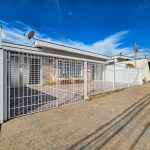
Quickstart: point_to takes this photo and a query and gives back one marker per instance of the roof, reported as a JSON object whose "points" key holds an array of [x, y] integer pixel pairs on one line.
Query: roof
{"points": [[13, 46], [45, 44], [36, 50], [122, 57]]}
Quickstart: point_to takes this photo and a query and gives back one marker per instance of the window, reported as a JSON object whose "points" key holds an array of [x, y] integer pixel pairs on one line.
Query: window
{"points": [[97, 72], [34, 71], [68, 68]]}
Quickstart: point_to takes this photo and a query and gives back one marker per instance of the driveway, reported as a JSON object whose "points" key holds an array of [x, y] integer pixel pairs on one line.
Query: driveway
{"points": [[120, 121]]}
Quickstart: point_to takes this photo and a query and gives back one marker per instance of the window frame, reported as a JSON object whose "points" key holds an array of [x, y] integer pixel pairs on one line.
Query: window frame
{"points": [[72, 70]]}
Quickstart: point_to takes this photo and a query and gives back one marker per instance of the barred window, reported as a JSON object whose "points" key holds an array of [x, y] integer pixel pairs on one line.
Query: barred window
{"points": [[68, 68]]}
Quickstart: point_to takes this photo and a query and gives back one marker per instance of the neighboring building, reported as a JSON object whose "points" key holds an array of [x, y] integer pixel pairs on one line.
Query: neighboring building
{"points": [[143, 64], [119, 58]]}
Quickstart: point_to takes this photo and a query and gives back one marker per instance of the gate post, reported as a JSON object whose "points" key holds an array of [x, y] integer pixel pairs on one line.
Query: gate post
{"points": [[114, 77], [85, 81], [1, 78], [57, 83], [140, 76], [5, 85], [128, 76]]}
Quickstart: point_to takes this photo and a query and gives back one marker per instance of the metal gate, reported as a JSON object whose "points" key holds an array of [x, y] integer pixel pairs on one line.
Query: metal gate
{"points": [[39, 82]]}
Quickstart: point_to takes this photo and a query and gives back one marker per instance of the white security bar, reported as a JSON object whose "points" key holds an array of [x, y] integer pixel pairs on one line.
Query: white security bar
{"points": [[38, 82]]}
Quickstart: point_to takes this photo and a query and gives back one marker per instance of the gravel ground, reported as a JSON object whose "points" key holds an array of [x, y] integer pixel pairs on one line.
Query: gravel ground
{"points": [[120, 121]]}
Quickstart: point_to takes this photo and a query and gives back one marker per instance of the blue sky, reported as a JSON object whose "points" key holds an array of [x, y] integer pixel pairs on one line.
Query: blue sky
{"points": [[102, 26]]}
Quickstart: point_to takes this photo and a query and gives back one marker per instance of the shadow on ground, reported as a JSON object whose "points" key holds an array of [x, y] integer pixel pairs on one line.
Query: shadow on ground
{"points": [[26, 100], [105, 133]]}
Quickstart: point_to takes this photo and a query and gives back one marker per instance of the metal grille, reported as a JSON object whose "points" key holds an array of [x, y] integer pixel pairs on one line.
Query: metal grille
{"points": [[104, 78], [41, 82], [37, 83]]}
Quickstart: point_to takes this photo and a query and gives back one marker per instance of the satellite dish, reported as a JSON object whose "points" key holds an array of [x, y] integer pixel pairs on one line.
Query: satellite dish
{"points": [[120, 53], [31, 34]]}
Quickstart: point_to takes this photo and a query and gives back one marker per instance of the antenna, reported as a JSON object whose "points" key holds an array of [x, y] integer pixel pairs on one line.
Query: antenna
{"points": [[30, 36], [63, 39]]}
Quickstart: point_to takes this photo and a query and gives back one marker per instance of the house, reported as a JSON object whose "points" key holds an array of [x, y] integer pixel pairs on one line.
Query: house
{"points": [[45, 76], [60, 60], [48, 75], [69, 68]]}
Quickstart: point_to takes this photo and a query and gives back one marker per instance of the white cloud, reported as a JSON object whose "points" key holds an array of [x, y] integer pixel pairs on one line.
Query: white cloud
{"points": [[108, 46], [47, 28], [13, 32], [142, 7], [70, 12]]}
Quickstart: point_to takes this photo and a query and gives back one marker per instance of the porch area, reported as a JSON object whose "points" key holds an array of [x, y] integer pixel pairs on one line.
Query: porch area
{"points": [[32, 99]]}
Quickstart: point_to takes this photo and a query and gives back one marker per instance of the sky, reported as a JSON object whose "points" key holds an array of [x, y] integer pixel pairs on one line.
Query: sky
{"points": [[106, 27]]}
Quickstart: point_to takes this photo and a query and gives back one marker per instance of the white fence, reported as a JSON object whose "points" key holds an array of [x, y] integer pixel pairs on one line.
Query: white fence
{"points": [[38, 82], [113, 77], [122, 74]]}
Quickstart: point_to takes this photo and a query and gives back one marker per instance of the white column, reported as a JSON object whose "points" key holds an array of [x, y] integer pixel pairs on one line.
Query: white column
{"points": [[57, 83], [1, 86], [114, 77], [140, 76], [128, 76], [103, 73], [41, 72], [1, 78], [5, 85], [85, 81]]}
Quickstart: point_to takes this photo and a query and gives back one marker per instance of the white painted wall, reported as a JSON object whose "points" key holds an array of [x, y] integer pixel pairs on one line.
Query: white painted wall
{"points": [[122, 74], [143, 65]]}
